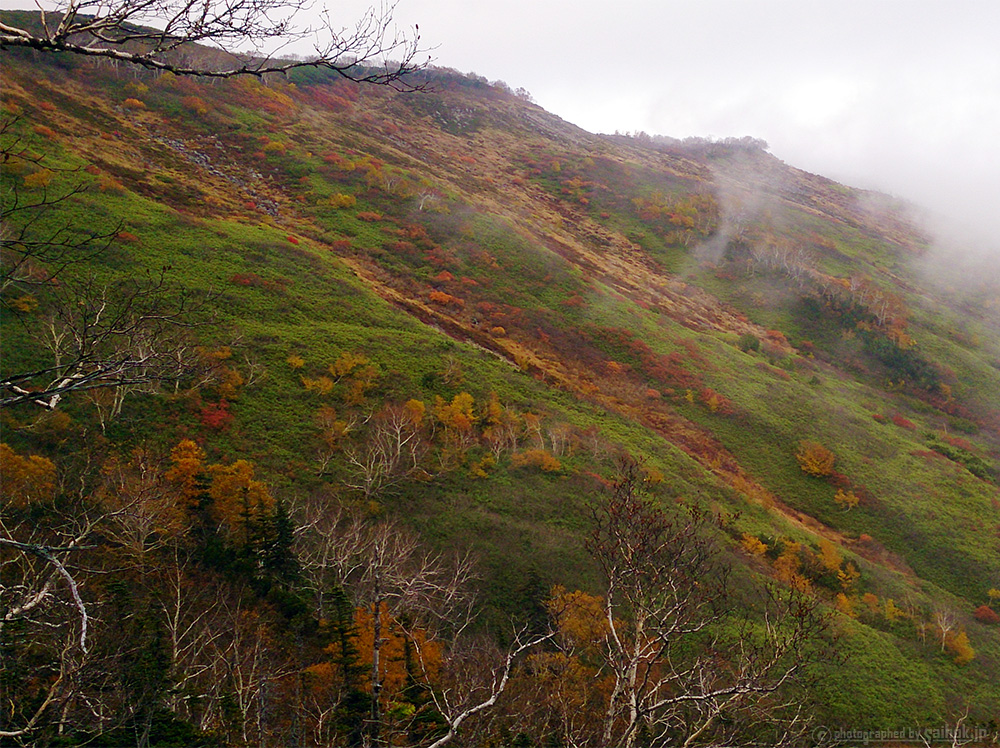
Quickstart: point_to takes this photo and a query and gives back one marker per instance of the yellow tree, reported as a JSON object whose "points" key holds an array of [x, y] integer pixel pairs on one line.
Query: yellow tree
{"points": [[239, 502], [814, 458]]}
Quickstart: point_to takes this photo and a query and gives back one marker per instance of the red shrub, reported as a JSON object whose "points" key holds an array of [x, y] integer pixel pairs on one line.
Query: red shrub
{"points": [[986, 614], [903, 422], [957, 441], [216, 415], [777, 336]]}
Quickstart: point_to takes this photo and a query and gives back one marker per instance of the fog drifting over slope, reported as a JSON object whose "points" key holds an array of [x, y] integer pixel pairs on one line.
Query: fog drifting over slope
{"points": [[901, 96]]}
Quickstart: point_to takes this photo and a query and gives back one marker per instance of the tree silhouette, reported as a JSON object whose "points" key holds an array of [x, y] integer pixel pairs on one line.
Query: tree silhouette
{"points": [[235, 37]]}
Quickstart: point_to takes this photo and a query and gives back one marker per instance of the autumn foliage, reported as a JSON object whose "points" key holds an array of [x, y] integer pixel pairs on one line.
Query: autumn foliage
{"points": [[986, 614], [815, 459]]}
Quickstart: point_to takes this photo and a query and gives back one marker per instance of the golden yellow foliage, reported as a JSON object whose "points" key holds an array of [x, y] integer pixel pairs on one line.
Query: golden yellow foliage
{"points": [[341, 201], [787, 567], [829, 555], [39, 179], [331, 428], [493, 411], [230, 382], [753, 545], [848, 576], [846, 499], [361, 381], [26, 303], [538, 458], [481, 468], [320, 385], [392, 654], [415, 411], [295, 361], [26, 480], [580, 617], [958, 645], [238, 499], [346, 363], [188, 465], [844, 604], [815, 459], [459, 414], [892, 613]]}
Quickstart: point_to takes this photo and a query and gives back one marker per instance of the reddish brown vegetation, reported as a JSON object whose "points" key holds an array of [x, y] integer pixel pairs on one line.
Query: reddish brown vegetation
{"points": [[986, 614]]}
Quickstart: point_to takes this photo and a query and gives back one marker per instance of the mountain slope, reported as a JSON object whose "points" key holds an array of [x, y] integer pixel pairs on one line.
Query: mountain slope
{"points": [[700, 305]]}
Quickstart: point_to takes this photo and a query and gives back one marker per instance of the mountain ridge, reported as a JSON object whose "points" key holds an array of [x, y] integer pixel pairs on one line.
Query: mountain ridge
{"points": [[709, 307]]}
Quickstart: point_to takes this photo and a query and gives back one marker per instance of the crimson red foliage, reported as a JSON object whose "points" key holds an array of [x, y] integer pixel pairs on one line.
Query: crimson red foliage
{"points": [[903, 422], [216, 415], [986, 614]]}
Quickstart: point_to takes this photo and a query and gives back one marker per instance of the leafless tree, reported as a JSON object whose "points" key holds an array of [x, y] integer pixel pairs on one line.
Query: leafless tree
{"points": [[399, 578], [476, 674], [89, 334], [41, 594], [390, 450], [129, 336], [686, 667], [33, 253], [248, 35], [427, 596], [502, 436], [946, 621]]}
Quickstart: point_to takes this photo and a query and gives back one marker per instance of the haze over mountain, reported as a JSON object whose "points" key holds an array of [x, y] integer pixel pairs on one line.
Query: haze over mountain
{"points": [[347, 393], [902, 97]]}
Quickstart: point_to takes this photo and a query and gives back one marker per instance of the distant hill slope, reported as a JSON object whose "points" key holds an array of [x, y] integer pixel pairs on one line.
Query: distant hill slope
{"points": [[765, 340]]}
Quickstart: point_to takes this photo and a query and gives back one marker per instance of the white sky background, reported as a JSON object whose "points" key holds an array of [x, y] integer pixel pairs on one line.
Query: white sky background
{"points": [[897, 95]]}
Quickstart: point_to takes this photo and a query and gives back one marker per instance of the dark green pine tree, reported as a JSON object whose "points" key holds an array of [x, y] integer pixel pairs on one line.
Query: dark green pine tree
{"points": [[277, 559], [354, 704], [529, 601]]}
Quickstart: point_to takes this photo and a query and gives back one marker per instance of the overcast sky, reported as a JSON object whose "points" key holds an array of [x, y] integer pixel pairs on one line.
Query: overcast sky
{"points": [[897, 95]]}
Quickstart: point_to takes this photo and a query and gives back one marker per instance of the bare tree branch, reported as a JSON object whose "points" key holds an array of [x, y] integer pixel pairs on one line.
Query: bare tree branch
{"points": [[247, 34], [462, 699], [97, 336]]}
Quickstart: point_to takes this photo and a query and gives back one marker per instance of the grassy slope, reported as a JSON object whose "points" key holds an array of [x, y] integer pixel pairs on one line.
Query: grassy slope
{"points": [[532, 250]]}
